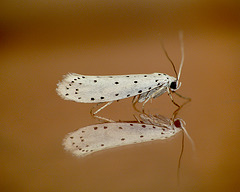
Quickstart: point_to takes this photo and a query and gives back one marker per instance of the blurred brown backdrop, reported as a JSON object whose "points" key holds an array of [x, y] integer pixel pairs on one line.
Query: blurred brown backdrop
{"points": [[42, 40]]}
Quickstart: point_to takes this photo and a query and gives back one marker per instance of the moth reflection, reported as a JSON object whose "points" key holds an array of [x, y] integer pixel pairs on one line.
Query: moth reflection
{"points": [[93, 138]]}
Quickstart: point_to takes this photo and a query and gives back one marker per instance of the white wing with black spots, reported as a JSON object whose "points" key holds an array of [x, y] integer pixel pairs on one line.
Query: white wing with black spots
{"points": [[95, 89], [93, 138]]}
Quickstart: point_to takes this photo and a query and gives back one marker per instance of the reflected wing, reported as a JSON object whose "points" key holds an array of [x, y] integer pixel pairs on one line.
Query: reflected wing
{"points": [[98, 137]]}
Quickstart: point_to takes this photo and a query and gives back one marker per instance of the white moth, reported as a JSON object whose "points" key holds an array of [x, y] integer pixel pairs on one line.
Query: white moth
{"points": [[93, 138], [99, 89]]}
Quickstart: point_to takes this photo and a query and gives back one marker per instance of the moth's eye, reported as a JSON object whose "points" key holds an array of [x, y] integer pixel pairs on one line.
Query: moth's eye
{"points": [[177, 123], [173, 85]]}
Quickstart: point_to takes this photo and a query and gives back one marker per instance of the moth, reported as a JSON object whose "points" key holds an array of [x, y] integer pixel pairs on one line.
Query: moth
{"points": [[101, 89], [94, 138]]}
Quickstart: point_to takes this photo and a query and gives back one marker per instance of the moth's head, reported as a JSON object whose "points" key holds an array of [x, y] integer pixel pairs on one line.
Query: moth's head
{"points": [[175, 85], [179, 123]]}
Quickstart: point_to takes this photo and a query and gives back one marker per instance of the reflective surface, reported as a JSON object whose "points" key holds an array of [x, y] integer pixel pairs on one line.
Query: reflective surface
{"points": [[40, 42]]}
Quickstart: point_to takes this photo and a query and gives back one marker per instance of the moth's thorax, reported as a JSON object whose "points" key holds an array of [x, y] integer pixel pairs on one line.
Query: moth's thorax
{"points": [[172, 83]]}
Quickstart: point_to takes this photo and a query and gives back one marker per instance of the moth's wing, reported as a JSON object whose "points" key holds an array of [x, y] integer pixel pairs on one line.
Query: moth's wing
{"points": [[95, 89], [99, 137]]}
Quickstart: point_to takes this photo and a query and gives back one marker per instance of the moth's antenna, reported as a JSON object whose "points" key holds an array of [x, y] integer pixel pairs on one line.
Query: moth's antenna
{"points": [[189, 137], [179, 160], [168, 56], [182, 53]]}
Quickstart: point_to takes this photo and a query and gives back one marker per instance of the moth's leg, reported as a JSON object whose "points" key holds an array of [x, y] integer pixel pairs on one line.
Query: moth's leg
{"points": [[134, 102], [108, 103], [143, 110], [177, 110], [153, 94], [170, 95], [187, 98], [137, 119], [175, 114], [104, 119], [135, 99], [158, 92], [93, 114], [179, 107], [146, 97]]}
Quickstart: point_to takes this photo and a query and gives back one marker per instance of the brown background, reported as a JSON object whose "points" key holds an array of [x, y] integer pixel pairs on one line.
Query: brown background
{"points": [[42, 40]]}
